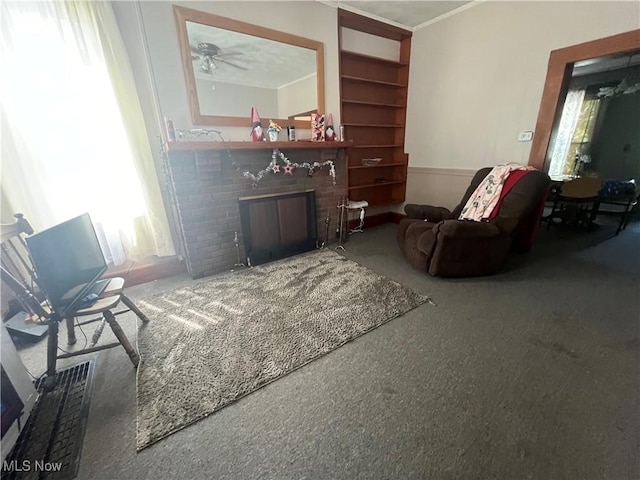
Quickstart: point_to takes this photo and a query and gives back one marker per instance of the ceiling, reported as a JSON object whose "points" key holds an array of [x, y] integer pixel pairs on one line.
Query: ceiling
{"points": [[253, 61], [406, 14]]}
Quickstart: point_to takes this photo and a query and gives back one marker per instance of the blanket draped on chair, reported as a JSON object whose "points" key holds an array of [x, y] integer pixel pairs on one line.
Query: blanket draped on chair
{"points": [[483, 202]]}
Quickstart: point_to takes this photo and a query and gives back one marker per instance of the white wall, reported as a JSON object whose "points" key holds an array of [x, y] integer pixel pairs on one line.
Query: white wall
{"points": [[368, 44], [306, 19], [298, 97], [225, 98], [476, 81], [477, 77]]}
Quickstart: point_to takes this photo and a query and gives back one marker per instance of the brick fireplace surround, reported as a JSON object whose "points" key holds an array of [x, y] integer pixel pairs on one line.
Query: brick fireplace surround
{"points": [[207, 180]]}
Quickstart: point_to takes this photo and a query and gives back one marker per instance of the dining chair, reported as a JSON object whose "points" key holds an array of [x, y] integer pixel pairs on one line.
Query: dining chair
{"points": [[619, 204], [576, 202]]}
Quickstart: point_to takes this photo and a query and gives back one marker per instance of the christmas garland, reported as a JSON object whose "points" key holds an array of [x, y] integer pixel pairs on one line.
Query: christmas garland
{"points": [[288, 168]]}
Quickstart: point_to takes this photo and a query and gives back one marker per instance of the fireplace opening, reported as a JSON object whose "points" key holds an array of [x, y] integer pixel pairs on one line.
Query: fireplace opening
{"points": [[278, 226]]}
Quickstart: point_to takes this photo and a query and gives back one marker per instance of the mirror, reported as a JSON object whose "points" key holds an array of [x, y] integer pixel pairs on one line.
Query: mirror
{"points": [[231, 66]]}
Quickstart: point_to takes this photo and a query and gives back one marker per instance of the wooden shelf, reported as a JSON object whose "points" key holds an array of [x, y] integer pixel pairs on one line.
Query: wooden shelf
{"points": [[376, 185], [298, 145], [380, 165], [369, 58], [373, 104], [372, 125], [376, 82], [378, 146], [373, 100]]}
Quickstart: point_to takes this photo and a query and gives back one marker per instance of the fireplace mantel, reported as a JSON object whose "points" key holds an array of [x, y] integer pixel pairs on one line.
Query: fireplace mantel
{"points": [[297, 145]]}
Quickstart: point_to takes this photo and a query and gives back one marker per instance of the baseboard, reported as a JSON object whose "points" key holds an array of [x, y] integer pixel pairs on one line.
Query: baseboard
{"points": [[396, 217], [149, 270]]}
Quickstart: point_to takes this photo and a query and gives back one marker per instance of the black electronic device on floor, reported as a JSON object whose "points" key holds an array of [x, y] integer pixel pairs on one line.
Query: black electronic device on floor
{"points": [[20, 326]]}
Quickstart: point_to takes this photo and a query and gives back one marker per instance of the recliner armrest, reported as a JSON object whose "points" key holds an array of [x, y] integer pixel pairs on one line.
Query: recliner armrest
{"points": [[467, 229], [427, 212]]}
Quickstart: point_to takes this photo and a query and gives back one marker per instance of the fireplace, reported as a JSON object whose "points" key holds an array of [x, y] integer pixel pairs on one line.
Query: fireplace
{"points": [[208, 189], [278, 226]]}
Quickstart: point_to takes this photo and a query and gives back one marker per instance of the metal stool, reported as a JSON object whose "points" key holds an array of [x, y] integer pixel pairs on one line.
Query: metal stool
{"points": [[361, 205]]}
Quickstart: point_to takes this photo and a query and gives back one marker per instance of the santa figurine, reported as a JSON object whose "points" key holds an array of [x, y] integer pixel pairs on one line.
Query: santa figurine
{"points": [[256, 132], [329, 131]]}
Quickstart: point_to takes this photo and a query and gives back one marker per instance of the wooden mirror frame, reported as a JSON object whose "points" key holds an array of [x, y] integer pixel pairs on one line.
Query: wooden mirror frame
{"points": [[183, 15], [557, 84]]}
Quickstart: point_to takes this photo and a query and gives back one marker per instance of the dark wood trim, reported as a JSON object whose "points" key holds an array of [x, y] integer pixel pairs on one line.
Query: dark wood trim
{"points": [[349, 53], [396, 217], [361, 23], [556, 84], [148, 271]]}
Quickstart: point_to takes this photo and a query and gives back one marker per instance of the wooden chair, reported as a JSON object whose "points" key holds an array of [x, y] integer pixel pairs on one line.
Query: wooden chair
{"points": [[620, 205], [576, 202], [18, 275]]}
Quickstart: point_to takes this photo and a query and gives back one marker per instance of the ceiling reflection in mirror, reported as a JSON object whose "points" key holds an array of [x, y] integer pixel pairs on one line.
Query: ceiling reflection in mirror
{"points": [[235, 71], [232, 66]]}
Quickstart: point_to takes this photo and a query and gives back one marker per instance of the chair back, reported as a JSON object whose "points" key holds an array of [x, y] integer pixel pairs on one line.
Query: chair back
{"points": [[581, 188], [475, 181], [16, 270], [14, 256], [525, 197], [520, 201], [24, 295]]}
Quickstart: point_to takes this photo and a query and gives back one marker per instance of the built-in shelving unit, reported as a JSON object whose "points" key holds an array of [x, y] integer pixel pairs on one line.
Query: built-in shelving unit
{"points": [[373, 95]]}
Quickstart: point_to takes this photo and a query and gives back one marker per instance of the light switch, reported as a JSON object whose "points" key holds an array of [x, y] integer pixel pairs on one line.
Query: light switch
{"points": [[525, 136]]}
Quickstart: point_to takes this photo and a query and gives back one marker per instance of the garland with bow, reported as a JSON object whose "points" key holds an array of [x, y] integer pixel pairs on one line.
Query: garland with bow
{"points": [[288, 168]]}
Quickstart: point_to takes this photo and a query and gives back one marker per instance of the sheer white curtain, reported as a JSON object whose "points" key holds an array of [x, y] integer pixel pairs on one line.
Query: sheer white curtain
{"points": [[73, 135], [568, 122]]}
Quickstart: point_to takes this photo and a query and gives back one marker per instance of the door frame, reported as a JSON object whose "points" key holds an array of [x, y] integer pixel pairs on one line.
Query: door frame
{"points": [[556, 85]]}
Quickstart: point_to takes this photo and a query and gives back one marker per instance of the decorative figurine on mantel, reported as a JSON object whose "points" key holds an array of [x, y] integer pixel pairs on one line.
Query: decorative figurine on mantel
{"points": [[329, 131], [257, 134], [317, 127], [273, 131]]}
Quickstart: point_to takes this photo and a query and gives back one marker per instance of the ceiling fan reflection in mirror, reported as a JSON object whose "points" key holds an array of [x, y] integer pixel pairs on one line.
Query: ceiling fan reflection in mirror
{"points": [[627, 85], [211, 54]]}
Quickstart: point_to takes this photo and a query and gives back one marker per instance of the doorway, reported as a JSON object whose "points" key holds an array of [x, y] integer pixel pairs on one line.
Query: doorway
{"points": [[561, 64]]}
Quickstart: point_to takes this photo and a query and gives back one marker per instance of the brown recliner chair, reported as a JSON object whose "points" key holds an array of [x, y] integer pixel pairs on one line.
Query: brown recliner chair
{"points": [[434, 240]]}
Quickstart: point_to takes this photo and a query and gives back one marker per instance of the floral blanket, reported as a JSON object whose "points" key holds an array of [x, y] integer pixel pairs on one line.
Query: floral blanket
{"points": [[486, 196]]}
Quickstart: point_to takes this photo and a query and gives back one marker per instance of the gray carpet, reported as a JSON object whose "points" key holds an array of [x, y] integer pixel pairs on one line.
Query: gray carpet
{"points": [[209, 344], [533, 373]]}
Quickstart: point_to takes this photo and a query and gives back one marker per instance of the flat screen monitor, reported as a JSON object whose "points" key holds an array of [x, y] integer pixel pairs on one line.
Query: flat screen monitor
{"points": [[67, 260]]}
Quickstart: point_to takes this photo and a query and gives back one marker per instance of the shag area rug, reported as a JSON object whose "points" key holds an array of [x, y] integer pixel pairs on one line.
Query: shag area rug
{"points": [[211, 343]]}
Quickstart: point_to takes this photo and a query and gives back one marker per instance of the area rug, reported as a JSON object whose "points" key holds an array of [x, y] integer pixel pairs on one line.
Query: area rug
{"points": [[210, 343]]}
